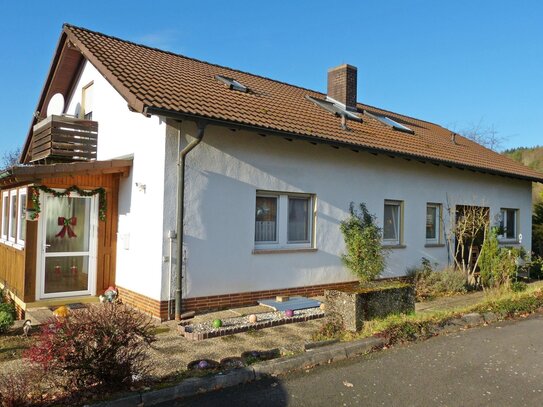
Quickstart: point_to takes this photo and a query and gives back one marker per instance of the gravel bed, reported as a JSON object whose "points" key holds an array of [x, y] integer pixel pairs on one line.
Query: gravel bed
{"points": [[244, 321]]}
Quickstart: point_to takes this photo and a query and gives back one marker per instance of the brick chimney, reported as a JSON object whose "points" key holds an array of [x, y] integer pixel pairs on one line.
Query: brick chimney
{"points": [[342, 85]]}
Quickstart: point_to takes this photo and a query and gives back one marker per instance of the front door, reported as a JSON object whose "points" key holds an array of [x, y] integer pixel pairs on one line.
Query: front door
{"points": [[68, 232]]}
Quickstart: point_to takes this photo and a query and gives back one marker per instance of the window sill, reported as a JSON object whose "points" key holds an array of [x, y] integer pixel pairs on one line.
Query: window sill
{"points": [[434, 245], [278, 251], [394, 246], [12, 244]]}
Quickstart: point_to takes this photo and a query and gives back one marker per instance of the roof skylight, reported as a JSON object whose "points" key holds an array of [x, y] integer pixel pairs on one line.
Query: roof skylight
{"points": [[335, 109], [391, 123], [232, 83]]}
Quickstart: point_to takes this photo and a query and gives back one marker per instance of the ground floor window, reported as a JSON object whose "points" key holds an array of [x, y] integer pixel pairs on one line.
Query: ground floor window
{"points": [[13, 218], [5, 215], [283, 220], [508, 224], [392, 223], [433, 223]]}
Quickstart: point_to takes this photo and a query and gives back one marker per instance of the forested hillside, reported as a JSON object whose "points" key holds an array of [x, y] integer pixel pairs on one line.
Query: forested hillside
{"points": [[532, 157]]}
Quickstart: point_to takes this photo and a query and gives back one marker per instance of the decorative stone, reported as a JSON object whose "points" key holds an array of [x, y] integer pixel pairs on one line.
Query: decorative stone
{"points": [[473, 319], [322, 306], [217, 323], [253, 318], [289, 313], [355, 307]]}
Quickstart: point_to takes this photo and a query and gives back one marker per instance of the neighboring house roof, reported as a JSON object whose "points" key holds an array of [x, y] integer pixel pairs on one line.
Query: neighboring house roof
{"points": [[156, 81]]}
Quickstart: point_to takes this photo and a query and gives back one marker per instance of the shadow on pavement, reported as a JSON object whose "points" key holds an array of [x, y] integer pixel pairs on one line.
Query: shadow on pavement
{"points": [[264, 393]]}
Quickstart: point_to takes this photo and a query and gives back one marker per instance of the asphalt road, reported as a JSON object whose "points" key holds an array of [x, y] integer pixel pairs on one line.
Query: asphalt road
{"points": [[497, 365]]}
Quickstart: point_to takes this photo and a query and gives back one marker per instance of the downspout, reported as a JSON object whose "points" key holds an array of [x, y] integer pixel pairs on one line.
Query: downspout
{"points": [[180, 211]]}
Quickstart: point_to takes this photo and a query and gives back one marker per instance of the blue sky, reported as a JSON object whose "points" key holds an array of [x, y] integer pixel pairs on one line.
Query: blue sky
{"points": [[456, 63]]}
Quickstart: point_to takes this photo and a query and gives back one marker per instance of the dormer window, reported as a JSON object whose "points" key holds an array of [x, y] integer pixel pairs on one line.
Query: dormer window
{"points": [[336, 109], [232, 83], [390, 123]]}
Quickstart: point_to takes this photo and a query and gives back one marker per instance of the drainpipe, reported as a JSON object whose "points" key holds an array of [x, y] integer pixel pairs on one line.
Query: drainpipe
{"points": [[180, 211]]}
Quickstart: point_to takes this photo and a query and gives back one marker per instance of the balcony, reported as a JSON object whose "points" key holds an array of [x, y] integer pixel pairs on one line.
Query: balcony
{"points": [[64, 139]]}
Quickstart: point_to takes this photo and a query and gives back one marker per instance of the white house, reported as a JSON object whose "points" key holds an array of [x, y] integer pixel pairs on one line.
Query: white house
{"points": [[261, 173]]}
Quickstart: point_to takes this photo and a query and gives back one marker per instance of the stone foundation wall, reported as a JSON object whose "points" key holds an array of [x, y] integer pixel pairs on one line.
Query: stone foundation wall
{"points": [[356, 307]]}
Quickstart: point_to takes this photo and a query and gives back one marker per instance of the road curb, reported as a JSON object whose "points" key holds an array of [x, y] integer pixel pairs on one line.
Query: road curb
{"points": [[192, 386]]}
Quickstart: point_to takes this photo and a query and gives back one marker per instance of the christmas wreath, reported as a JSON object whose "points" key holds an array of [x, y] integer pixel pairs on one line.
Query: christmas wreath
{"points": [[35, 197]]}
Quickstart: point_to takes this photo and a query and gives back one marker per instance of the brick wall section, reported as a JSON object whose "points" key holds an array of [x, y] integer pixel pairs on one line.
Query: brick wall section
{"points": [[155, 308], [216, 302], [159, 309], [342, 85]]}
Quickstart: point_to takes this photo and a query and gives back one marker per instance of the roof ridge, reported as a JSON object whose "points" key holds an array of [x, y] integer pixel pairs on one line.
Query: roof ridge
{"points": [[238, 70], [190, 58]]}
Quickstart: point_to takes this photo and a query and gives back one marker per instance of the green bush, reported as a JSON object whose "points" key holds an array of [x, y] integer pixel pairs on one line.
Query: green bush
{"points": [[535, 268], [430, 283], [498, 265], [365, 256], [518, 286], [7, 316]]}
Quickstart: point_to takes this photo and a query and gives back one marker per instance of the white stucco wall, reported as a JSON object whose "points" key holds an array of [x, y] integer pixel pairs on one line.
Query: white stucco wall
{"points": [[227, 168], [124, 134]]}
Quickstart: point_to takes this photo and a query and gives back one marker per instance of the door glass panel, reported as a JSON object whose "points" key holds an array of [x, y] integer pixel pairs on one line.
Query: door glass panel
{"points": [[67, 224], [66, 274]]}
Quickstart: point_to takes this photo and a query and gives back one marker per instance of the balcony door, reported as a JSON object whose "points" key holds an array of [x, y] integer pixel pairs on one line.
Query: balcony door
{"points": [[68, 241]]}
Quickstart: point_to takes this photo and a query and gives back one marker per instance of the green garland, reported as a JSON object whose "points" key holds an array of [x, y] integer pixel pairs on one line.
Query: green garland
{"points": [[102, 202]]}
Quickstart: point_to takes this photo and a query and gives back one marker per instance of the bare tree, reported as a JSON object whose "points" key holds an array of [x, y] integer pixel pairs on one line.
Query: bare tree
{"points": [[467, 228], [10, 158], [486, 136]]}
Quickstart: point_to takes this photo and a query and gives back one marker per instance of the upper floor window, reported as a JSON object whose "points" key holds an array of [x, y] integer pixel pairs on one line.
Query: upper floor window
{"points": [[508, 224], [433, 223], [283, 220], [392, 223], [87, 101]]}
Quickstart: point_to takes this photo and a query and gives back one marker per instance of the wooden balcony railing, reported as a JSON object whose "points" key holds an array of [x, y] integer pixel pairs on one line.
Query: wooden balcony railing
{"points": [[60, 138]]}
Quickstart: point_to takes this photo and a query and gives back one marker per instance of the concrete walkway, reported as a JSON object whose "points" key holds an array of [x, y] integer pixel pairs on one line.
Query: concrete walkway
{"points": [[449, 303]]}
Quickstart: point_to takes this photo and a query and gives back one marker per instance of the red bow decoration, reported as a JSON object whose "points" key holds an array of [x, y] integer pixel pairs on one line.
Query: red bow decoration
{"points": [[66, 224]]}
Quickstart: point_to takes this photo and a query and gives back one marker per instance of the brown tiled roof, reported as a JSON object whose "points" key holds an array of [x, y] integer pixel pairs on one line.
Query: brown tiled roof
{"points": [[151, 78]]}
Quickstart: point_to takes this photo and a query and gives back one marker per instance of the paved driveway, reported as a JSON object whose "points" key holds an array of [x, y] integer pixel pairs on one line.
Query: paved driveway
{"points": [[498, 365]]}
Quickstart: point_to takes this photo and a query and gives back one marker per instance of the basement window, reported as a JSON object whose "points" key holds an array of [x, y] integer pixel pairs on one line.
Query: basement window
{"points": [[232, 83], [334, 108], [391, 123]]}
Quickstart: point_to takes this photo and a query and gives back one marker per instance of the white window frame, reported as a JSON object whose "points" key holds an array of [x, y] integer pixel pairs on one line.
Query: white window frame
{"points": [[269, 243], [20, 225], [437, 238], [503, 215], [12, 228], [399, 240], [282, 222], [87, 100], [5, 218]]}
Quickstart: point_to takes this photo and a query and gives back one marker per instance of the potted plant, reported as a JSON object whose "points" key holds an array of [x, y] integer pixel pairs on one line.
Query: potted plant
{"points": [[365, 258]]}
